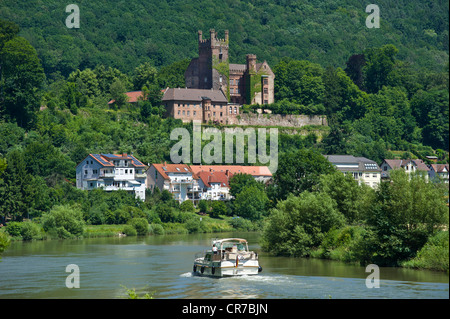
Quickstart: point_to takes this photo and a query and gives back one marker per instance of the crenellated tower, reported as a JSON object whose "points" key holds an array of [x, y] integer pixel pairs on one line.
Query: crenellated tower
{"points": [[211, 67]]}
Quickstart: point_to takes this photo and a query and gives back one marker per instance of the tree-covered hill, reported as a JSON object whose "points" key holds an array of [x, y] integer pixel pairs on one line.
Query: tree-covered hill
{"points": [[124, 34]]}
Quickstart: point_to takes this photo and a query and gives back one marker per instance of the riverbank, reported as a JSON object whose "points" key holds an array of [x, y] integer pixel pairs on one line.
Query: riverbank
{"points": [[31, 230]]}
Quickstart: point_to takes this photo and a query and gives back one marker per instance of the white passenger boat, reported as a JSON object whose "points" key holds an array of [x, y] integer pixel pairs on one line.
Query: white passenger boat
{"points": [[227, 257]]}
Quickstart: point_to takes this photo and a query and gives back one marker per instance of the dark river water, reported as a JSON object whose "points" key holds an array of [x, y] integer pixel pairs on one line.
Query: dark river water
{"points": [[162, 265]]}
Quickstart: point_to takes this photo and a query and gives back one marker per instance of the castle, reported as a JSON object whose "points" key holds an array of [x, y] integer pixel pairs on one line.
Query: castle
{"points": [[215, 88]]}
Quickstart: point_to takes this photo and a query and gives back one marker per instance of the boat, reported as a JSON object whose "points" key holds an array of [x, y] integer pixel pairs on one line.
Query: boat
{"points": [[227, 257]]}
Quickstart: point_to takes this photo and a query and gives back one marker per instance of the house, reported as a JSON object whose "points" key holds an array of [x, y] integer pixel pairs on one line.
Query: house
{"points": [[259, 173], [362, 169], [215, 185], [196, 182], [133, 97], [199, 104], [249, 83], [439, 172], [178, 179], [409, 165], [112, 172]]}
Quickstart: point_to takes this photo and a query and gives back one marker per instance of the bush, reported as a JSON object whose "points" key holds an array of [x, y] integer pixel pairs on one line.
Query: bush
{"points": [[158, 229], [193, 225], [187, 206], [242, 224], [203, 206], [14, 229], [434, 255], [218, 208], [30, 231], [66, 220], [140, 224], [129, 230]]}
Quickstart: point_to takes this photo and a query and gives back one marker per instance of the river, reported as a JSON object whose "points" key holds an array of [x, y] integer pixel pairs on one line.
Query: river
{"points": [[163, 265]]}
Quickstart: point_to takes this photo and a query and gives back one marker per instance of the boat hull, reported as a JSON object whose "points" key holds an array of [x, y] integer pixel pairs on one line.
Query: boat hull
{"points": [[226, 268]]}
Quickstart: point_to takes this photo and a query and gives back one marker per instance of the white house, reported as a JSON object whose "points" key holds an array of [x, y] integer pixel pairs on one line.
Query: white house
{"points": [[112, 172], [215, 185], [178, 179], [439, 171], [409, 165], [362, 169]]}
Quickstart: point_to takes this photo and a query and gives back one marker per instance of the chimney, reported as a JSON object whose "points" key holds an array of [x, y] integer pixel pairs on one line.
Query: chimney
{"points": [[165, 163], [227, 172], [226, 36], [200, 34]]}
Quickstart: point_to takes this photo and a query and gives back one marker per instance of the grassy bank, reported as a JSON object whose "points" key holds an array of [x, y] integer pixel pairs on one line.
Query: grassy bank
{"points": [[29, 230]]}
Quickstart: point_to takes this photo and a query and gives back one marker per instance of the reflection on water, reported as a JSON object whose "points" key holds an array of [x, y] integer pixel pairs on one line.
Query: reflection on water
{"points": [[163, 264]]}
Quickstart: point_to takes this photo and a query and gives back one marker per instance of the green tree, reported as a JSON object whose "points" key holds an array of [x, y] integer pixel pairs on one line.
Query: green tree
{"points": [[251, 203], [406, 212], [22, 77], [117, 91], [299, 171], [144, 74], [240, 181], [380, 62], [351, 199], [15, 191], [299, 224], [298, 81], [187, 206], [65, 221], [218, 208]]}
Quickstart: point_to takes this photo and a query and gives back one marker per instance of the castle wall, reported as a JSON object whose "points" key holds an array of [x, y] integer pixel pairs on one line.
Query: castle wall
{"points": [[256, 119]]}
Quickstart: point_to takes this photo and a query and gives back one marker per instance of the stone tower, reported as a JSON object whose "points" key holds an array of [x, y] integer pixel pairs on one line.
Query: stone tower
{"points": [[210, 69]]}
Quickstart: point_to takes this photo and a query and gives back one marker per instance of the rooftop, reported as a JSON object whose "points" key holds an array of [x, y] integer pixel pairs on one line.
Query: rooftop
{"points": [[195, 95]]}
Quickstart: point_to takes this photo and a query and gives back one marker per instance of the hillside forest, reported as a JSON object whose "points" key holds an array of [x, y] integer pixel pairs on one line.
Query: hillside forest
{"points": [[385, 94]]}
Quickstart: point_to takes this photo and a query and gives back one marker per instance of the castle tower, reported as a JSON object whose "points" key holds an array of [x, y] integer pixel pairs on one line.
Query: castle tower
{"points": [[212, 57], [251, 63]]}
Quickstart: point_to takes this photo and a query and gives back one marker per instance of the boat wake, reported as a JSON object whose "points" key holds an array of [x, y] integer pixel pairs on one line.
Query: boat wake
{"points": [[187, 274]]}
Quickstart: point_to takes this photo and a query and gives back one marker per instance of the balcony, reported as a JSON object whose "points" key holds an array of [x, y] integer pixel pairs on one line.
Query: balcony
{"points": [[182, 181], [140, 175], [106, 175]]}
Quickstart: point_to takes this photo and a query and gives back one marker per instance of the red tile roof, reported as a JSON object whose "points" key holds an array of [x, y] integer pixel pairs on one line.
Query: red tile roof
{"points": [[234, 169], [133, 97], [209, 178], [173, 168]]}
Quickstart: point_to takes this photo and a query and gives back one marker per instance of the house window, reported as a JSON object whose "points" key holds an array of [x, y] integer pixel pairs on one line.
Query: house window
{"points": [[266, 90], [220, 114], [266, 102], [266, 81], [85, 172], [188, 112], [195, 113], [235, 110]]}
